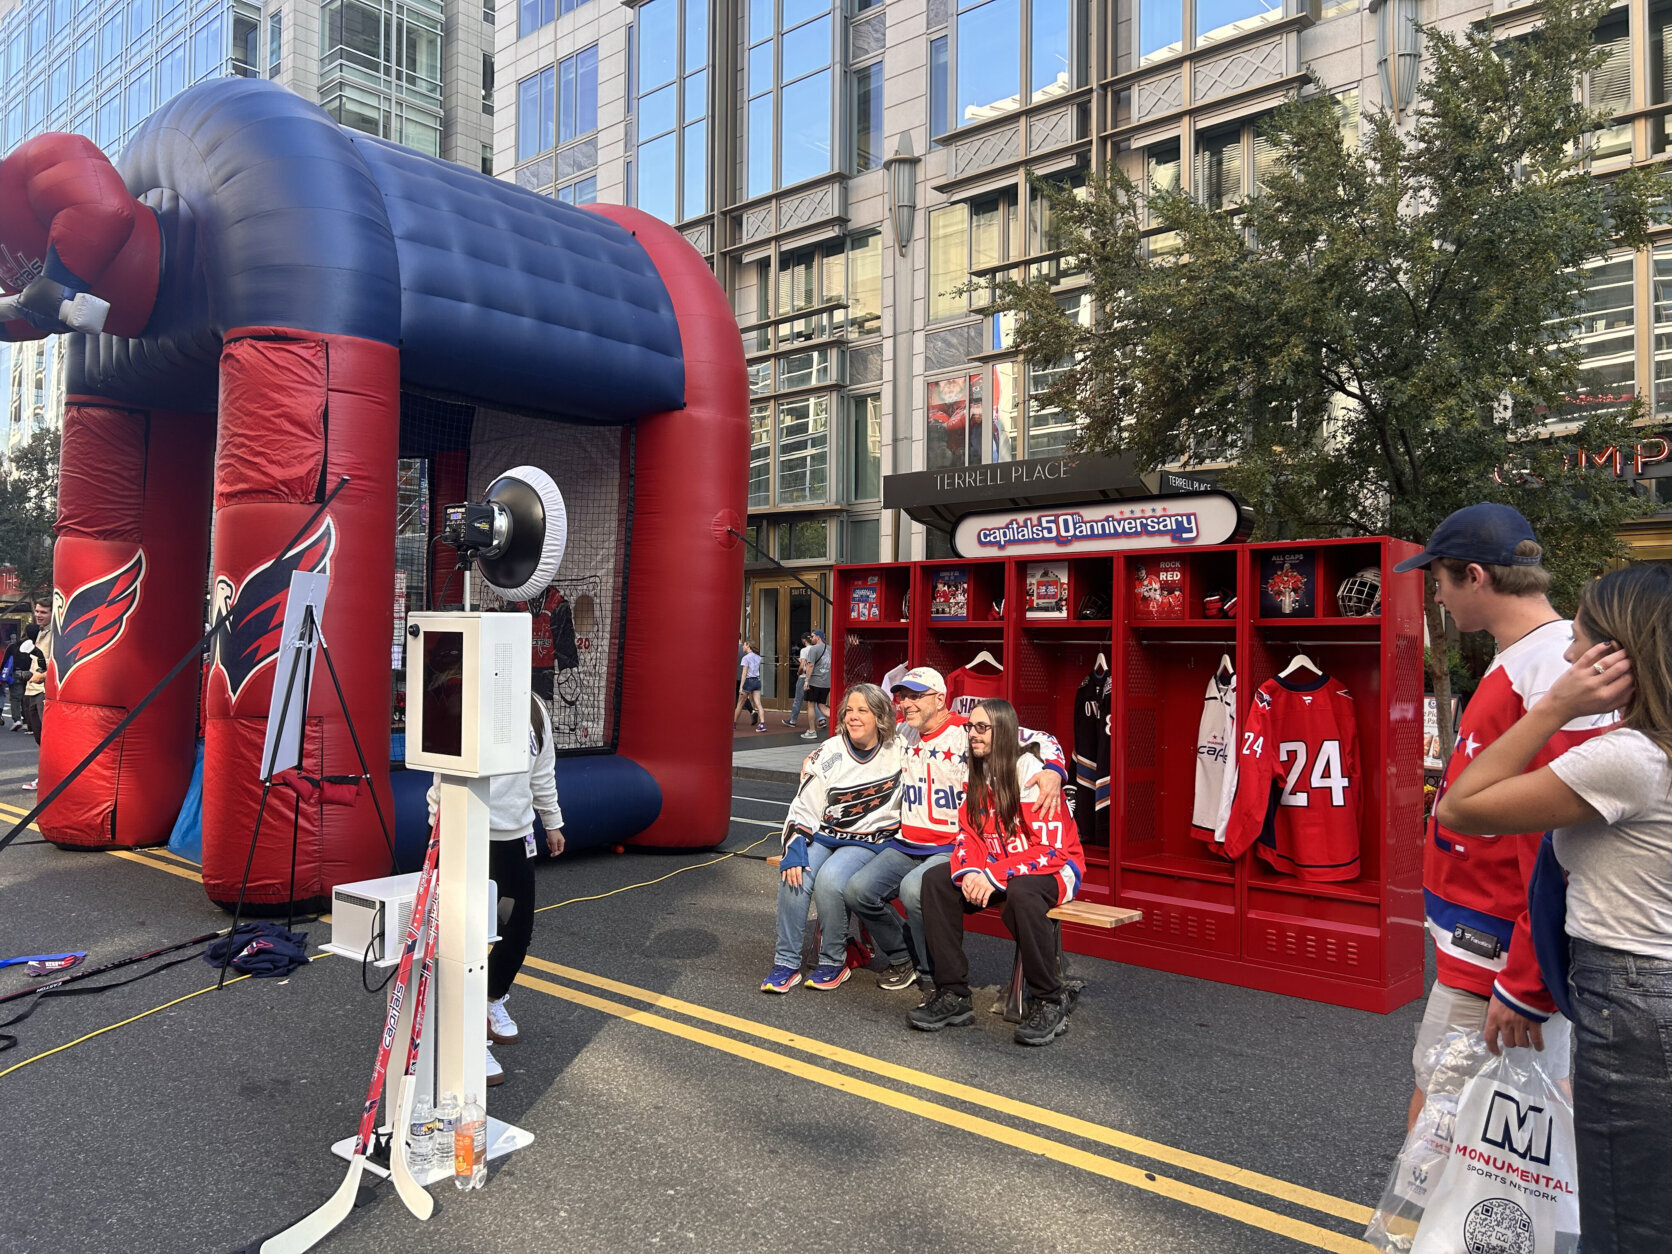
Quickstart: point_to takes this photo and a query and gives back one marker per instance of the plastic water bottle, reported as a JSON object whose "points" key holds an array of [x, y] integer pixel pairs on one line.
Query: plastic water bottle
{"points": [[420, 1136], [446, 1126], [470, 1140]]}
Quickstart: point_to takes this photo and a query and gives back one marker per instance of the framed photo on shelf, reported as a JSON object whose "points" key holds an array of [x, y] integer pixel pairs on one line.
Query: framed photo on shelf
{"points": [[949, 595], [1158, 590], [863, 604], [1047, 590], [1289, 584]]}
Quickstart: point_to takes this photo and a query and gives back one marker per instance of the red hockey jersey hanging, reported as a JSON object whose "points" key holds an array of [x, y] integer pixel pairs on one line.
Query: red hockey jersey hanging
{"points": [[1297, 791]]}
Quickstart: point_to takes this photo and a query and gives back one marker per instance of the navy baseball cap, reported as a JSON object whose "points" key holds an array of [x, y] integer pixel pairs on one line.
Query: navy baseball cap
{"points": [[1484, 533]]}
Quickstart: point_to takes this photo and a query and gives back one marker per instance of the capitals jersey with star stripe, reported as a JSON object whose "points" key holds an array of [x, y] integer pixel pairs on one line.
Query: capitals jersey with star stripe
{"points": [[1480, 882], [1297, 789], [1037, 846], [934, 771], [848, 796], [1091, 756]]}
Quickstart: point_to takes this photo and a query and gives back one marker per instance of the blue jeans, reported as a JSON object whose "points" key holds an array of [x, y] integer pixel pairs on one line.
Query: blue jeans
{"points": [[1622, 1093], [893, 874], [822, 881]]}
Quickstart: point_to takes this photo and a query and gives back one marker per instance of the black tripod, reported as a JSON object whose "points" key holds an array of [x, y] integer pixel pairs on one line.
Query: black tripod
{"points": [[309, 639]]}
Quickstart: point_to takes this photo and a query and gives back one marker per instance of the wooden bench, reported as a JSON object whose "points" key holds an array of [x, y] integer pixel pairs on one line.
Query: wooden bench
{"points": [[1086, 914], [1083, 913]]}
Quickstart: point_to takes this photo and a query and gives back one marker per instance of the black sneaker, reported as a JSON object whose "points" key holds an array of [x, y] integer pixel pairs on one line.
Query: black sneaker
{"points": [[900, 975], [943, 1010], [1048, 1020]]}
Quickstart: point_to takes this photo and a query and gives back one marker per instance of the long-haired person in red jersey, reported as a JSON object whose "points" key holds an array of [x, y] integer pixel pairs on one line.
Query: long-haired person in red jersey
{"points": [[1609, 801], [1005, 849], [77, 252]]}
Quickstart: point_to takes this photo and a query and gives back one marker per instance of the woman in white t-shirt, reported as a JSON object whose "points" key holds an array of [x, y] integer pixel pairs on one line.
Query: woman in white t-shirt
{"points": [[749, 690], [1609, 802]]}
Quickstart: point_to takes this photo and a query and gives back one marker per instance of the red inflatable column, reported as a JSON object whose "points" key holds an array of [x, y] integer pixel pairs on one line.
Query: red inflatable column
{"points": [[691, 469], [133, 540], [299, 410]]}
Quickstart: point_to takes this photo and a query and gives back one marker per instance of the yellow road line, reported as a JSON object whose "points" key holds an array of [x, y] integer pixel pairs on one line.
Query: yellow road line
{"points": [[128, 855], [1230, 1174], [1190, 1195]]}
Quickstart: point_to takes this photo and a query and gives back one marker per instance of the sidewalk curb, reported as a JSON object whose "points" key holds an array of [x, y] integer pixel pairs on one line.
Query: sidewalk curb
{"points": [[765, 775]]}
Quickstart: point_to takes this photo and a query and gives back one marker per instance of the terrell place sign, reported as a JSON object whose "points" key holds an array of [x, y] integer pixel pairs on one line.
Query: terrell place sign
{"points": [[1185, 520]]}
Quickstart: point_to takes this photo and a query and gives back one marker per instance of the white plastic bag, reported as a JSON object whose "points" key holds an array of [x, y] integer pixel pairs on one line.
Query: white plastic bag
{"points": [[1452, 1063], [1507, 1184]]}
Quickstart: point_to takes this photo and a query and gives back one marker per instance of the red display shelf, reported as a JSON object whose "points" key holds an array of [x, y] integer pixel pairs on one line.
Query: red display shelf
{"points": [[1357, 944], [1194, 867]]}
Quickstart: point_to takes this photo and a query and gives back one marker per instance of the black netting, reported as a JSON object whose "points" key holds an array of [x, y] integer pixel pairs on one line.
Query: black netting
{"points": [[454, 450]]}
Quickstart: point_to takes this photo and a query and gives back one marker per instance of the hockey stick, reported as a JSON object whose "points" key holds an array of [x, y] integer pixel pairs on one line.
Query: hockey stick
{"points": [[311, 1229], [109, 966], [416, 1197]]}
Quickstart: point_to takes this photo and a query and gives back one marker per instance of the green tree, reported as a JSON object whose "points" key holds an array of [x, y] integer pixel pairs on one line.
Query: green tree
{"points": [[28, 509], [1386, 325]]}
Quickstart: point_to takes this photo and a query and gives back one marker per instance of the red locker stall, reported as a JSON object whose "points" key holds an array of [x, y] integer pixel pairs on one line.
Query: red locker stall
{"points": [[1155, 621]]}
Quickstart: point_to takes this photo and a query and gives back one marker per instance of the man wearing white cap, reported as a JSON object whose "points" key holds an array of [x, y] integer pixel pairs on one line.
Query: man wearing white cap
{"points": [[934, 771]]}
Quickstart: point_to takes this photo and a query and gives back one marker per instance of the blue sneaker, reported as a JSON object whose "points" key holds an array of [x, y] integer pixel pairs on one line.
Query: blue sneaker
{"points": [[829, 977], [781, 980]]}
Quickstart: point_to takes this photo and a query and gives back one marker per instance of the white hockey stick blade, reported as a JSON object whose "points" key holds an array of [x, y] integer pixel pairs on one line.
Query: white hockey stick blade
{"points": [[310, 1230], [416, 1197]]}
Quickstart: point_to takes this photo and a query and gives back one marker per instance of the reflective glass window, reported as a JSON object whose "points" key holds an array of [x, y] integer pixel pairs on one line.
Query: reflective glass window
{"points": [[85, 62], [658, 176], [578, 95], [940, 89], [948, 260], [657, 111], [696, 96], [658, 43], [864, 448], [58, 84], [109, 120], [139, 97], [806, 49], [536, 102], [696, 33], [865, 283], [1051, 74], [760, 68], [804, 451], [171, 71], [208, 49], [805, 149], [1218, 176], [111, 40], [760, 453], [988, 83], [867, 118], [695, 166], [760, 20], [1216, 19], [798, 11], [760, 145], [1160, 29]]}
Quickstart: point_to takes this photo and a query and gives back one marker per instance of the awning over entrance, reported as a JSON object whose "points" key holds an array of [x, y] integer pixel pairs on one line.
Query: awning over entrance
{"points": [[941, 497]]}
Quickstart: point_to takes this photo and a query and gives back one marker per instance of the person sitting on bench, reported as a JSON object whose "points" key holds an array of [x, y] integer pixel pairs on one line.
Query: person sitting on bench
{"points": [[1004, 850]]}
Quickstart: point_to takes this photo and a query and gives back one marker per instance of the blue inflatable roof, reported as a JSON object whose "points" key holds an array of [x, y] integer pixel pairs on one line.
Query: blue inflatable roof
{"points": [[273, 215]]}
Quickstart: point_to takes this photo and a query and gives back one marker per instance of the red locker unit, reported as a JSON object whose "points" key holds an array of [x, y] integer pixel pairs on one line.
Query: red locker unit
{"points": [[1354, 943]]}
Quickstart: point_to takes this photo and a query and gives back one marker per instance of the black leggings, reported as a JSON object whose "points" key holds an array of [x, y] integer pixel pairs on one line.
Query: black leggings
{"points": [[510, 867]]}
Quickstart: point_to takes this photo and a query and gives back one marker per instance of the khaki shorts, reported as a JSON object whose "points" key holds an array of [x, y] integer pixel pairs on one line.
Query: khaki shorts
{"points": [[1456, 1010]]}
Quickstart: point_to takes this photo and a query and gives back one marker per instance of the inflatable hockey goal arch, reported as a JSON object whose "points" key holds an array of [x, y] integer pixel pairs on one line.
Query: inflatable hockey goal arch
{"points": [[291, 303]]}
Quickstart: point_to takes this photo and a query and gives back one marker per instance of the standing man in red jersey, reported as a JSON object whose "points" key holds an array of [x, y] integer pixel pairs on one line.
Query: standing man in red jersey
{"points": [[1487, 563]]}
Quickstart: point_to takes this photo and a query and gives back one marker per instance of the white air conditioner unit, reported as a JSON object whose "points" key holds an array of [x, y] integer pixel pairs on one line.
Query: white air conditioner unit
{"points": [[369, 918]]}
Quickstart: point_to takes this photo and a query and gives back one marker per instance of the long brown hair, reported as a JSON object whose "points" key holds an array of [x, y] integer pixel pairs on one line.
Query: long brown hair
{"points": [[1633, 608], [993, 783]]}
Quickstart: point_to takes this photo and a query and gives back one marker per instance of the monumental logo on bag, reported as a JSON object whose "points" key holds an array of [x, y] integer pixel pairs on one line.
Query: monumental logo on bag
{"points": [[1499, 1226], [1524, 1133], [250, 638], [94, 616]]}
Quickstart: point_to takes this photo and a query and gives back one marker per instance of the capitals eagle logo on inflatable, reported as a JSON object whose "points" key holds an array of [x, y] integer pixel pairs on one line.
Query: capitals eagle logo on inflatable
{"points": [[94, 616], [250, 638]]}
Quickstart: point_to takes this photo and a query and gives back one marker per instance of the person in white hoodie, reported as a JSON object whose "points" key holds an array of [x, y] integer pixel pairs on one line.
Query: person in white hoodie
{"points": [[513, 801]]}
